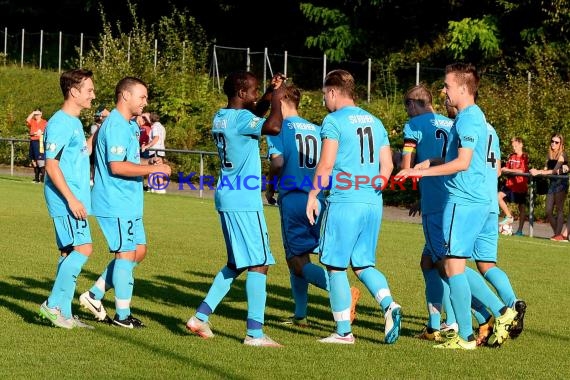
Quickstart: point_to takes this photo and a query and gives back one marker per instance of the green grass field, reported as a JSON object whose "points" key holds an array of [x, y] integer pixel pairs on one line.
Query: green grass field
{"points": [[186, 250]]}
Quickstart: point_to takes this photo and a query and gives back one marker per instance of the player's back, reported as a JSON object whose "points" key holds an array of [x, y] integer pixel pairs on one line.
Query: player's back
{"points": [[430, 132], [493, 160], [356, 171], [299, 142], [469, 131], [236, 135]]}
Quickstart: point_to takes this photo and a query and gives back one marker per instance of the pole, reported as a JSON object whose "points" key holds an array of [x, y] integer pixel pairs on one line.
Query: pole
{"points": [[369, 77], [81, 50], [41, 46], [60, 50], [417, 73], [22, 52]]}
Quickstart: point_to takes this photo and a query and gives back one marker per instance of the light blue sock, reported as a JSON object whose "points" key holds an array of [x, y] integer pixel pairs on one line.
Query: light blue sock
{"points": [[124, 282], [299, 289], [446, 304], [64, 285], [481, 291], [501, 283], [340, 299], [218, 290], [434, 296], [460, 295], [55, 299], [479, 310], [316, 275], [377, 285], [255, 288], [106, 278]]}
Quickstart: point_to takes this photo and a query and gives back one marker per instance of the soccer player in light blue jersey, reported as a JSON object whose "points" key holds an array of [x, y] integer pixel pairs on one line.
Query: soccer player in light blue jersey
{"points": [[469, 202], [67, 193], [426, 135], [356, 161], [236, 130], [485, 256], [117, 200], [294, 154]]}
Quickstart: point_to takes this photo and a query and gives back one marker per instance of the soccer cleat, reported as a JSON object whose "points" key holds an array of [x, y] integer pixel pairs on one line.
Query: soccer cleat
{"points": [[77, 323], [294, 321], [518, 233], [501, 328], [94, 306], [559, 238], [451, 327], [485, 331], [55, 317], [130, 322], [430, 334], [355, 295], [456, 343], [393, 323], [200, 328], [518, 325], [507, 220], [338, 339], [264, 341]]}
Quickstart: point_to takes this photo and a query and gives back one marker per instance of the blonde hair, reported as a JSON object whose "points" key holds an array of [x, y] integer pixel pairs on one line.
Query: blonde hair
{"points": [[555, 155]]}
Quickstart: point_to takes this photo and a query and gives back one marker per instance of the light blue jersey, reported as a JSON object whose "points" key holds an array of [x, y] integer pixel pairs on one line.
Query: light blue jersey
{"points": [[493, 158], [356, 172], [430, 133], [64, 141], [236, 133], [469, 132], [299, 142], [113, 195]]}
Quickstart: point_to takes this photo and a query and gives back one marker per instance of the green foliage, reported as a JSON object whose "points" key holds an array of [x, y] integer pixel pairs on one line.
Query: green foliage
{"points": [[474, 34], [337, 37]]}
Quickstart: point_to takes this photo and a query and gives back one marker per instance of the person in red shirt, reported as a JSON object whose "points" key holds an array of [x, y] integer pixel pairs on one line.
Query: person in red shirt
{"points": [[516, 187], [37, 125]]}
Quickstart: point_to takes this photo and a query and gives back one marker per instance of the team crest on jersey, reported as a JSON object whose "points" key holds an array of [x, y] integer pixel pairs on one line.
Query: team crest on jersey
{"points": [[117, 149], [253, 123], [51, 147]]}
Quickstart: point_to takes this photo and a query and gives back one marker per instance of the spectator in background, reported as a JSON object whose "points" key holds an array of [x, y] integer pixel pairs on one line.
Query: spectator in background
{"points": [[37, 125], [556, 159], [144, 137], [157, 137], [516, 187]]}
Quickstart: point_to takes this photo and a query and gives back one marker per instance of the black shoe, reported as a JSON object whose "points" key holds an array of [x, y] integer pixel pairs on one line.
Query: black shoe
{"points": [[130, 322], [518, 325]]}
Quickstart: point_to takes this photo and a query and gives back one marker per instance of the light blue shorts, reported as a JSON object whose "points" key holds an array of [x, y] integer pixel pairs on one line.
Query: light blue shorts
{"points": [[247, 239], [122, 234], [349, 234], [486, 244], [71, 232], [433, 234], [462, 226], [299, 237]]}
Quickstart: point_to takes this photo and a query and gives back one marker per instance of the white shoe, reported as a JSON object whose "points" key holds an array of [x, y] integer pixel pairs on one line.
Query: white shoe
{"points": [[337, 339], [200, 328], [264, 341], [452, 327], [393, 318], [94, 306]]}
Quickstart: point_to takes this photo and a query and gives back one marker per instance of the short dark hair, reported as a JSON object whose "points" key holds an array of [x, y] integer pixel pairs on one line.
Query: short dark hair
{"points": [[126, 84], [465, 74], [235, 81], [73, 79]]}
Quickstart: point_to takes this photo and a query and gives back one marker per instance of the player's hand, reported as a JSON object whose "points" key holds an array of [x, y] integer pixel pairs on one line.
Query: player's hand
{"points": [[415, 209], [533, 172], [77, 209], [163, 168], [405, 173], [423, 165], [312, 208], [277, 80]]}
